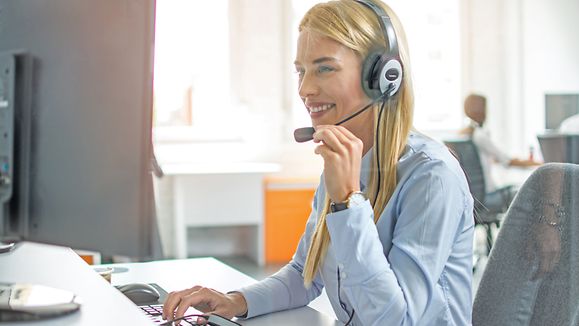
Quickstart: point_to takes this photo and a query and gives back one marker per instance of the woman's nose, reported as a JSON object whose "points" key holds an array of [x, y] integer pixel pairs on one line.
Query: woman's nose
{"points": [[308, 86]]}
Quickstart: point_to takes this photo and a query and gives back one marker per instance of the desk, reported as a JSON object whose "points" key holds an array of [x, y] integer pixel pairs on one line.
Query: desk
{"points": [[60, 267], [510, 175], [174, 275], [102, 304]]}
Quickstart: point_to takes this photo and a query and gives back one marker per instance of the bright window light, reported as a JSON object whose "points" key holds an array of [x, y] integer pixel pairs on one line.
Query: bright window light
{"points": [[192, 70]]}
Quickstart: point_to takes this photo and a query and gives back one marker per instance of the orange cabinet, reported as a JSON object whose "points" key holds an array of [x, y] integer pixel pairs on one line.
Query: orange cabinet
{"points": [[287, 208]]}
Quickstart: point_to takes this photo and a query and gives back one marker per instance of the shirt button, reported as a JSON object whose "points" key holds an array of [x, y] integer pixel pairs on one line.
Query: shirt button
{"points": [[341, 266], [344, 275]]}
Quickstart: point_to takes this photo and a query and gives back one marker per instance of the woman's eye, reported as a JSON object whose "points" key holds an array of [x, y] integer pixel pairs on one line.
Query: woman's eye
{"points": [[323, 69]]}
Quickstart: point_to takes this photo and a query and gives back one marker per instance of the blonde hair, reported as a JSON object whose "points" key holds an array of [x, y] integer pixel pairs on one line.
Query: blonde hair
{"points": [[355, 26]]}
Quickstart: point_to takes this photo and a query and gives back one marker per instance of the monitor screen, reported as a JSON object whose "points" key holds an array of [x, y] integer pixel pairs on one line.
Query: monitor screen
{"points": [[559, 107], [76, 111], [557, 147]]}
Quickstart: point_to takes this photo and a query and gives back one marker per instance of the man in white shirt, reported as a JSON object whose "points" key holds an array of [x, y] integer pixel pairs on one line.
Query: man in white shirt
{"points": [[489, 152], [570, 125]]}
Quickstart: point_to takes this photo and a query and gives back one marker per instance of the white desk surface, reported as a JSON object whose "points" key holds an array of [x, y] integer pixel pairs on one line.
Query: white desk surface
{"points": [[173, 275], [102, 304], [60, 267]]}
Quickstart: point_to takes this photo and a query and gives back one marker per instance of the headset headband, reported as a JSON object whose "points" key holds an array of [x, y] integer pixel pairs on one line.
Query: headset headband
{"points": [[387, 28]]}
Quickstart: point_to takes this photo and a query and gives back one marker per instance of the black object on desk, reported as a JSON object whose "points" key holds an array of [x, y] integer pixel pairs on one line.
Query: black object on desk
{"points": [[22, 302], [144, 293], [6, 247]]}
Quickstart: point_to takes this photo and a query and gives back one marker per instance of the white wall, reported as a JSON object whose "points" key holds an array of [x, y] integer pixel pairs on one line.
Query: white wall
{"points": [[514, 52], [551, 48]]}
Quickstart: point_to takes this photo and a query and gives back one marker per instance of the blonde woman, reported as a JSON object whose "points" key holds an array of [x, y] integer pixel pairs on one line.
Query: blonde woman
{"points": [[391, 229]]}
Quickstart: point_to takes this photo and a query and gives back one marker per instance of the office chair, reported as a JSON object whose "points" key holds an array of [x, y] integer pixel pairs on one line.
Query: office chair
{"points": [[531, 275], [485, 214]]}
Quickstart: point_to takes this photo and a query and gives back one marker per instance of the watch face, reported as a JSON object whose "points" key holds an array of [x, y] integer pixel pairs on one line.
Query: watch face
{"points": [[356, 199]]}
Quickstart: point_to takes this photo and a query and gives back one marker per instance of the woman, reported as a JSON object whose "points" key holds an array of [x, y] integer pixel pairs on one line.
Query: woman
{"points": [[401, 257]]}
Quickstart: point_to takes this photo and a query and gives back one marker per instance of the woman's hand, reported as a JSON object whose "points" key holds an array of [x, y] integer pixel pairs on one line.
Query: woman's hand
{"points": [[206, 300], [342, 154]]}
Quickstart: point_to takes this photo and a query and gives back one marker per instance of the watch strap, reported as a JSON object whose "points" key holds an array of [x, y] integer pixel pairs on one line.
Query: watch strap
{"points": [[336, 207]]}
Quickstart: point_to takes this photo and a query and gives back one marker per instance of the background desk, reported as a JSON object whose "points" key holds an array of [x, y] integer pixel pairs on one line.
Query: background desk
{"points": [[218, 209], [174, 275]]}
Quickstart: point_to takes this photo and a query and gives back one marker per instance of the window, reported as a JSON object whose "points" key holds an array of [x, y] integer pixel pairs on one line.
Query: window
{"points": [[192, 70]]}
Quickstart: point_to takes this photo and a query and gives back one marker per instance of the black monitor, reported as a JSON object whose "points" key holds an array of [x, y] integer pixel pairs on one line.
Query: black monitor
{"points": [[559, 107], [76, 85], [557, 147]]}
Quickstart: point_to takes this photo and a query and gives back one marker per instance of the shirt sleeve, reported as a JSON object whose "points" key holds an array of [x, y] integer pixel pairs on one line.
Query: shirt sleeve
{"points": [[486, 145], [396, 287], [285, 289]]}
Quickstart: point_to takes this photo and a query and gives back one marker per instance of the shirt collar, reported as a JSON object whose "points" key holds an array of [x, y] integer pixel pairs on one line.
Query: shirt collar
{"points": [[367, 161]]}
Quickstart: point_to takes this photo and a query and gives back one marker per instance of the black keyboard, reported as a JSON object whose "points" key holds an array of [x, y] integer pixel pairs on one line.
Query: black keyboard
{"points": [[155, 313]]}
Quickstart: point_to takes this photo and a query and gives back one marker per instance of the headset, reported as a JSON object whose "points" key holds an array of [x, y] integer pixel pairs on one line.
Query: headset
{"points": [[382, 70]]}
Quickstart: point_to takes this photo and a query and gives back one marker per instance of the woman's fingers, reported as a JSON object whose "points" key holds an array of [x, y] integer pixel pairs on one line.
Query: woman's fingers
{"points": [[337, 138], [206, 300], [173, 300], [342, 154]]}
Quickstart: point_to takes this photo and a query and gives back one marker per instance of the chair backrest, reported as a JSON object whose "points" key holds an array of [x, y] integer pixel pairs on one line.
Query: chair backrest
{"points": [[509, 292], [467, 155]]}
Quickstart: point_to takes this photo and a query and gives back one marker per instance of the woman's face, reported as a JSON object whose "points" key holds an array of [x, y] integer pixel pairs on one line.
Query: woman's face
{"points": [[329, 81]]}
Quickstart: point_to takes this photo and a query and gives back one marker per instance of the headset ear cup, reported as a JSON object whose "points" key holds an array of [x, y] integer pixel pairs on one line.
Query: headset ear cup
{"points": [[381, 74], [390, 77], [370, 74]]}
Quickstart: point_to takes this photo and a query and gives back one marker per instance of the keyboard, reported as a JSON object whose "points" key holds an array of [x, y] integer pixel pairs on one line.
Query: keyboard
{"points": [[155, 313]]}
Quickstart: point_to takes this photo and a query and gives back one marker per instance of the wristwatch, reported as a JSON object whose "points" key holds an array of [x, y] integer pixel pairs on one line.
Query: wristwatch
{"points": [[355, 198]]}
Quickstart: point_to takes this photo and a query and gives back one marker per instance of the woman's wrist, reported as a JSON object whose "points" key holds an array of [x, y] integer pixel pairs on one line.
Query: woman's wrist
{"points": [[239, 303]]}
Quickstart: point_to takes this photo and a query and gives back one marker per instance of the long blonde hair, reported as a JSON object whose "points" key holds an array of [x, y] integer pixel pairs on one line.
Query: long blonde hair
{"points": [[355, 26]]}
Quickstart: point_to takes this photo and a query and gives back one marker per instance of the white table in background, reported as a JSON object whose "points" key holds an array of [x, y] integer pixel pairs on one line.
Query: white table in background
{"points": [[222, 205]]}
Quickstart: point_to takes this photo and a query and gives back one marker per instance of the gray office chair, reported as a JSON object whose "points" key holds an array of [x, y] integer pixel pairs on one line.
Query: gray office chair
{"points": [[485, 214], [531, 277]]}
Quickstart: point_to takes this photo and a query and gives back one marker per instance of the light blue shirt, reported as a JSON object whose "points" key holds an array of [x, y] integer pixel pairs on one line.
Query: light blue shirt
{"points": [[413, 267]]}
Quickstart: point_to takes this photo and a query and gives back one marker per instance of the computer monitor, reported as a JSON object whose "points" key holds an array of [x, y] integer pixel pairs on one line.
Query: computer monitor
{"points": [[556, 147], [76, 115], [558, 107]]}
